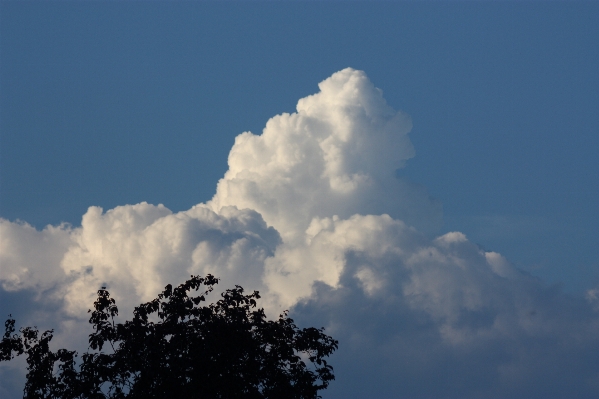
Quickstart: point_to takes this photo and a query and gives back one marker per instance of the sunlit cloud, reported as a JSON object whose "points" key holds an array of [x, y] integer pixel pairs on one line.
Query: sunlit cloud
{"points": [[311, 213]]}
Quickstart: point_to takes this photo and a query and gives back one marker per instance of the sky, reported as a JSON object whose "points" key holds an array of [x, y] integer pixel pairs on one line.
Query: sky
{"points": [[418, 177]]}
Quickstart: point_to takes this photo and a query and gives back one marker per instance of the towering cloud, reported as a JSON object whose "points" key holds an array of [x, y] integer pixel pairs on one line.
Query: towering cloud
{"points": [[336, 156], [311, 213]]}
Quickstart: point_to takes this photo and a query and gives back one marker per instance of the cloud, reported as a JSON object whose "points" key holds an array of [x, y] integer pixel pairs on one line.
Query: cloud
{"points": [[336, 156], [441, 318], [312, 214], [29, 257], [137, 249]]}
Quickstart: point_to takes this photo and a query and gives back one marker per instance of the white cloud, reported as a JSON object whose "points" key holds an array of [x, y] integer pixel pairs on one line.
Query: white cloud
{"points": [[30, 258], [137, 249], [336, 156], [311, 214]]}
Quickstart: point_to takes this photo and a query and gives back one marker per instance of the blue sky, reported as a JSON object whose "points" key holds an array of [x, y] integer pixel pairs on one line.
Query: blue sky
{"points": [[107, 104]]}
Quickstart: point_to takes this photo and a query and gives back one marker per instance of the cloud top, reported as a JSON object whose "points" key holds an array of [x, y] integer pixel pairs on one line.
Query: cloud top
{"points": [[336, 156]]}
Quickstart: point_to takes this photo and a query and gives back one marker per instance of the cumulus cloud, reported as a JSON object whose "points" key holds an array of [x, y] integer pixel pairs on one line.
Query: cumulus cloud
{"points": [[336, 156], [312, 214], [30, 258]]}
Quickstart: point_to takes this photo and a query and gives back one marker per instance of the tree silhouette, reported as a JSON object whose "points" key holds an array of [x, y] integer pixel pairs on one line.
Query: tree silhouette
{"points": [[178, 347]]}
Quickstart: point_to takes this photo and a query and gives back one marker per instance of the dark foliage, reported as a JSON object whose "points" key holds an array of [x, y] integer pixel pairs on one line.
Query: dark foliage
{"points": [[177, 347]]}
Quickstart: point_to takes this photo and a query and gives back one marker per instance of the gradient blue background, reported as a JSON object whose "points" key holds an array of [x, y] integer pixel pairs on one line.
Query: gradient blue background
{"points": [[116, 103]]}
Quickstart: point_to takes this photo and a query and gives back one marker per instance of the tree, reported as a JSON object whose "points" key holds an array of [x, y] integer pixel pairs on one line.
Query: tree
{"points": [[178, 347]]}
